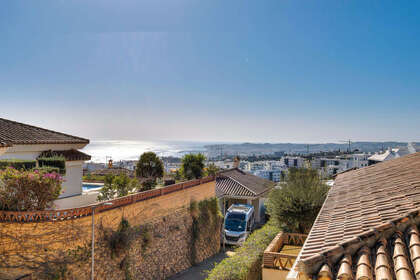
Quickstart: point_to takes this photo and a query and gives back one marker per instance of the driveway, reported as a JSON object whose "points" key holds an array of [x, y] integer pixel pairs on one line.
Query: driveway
{"points": [[198, 272]]}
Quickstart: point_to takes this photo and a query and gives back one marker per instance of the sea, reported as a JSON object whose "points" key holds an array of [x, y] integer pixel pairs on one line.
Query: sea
{"points": [[103, 150]]}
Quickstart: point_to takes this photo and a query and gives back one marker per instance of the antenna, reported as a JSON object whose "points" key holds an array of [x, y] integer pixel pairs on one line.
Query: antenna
{"points": [[347, 141]]}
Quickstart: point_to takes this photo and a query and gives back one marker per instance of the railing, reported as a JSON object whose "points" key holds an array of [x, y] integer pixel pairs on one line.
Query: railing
{"points": [[272, 257], [74, 213]]}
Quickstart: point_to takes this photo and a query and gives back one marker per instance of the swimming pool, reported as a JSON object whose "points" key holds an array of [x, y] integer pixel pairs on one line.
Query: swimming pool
{"points": [[91, 186]]}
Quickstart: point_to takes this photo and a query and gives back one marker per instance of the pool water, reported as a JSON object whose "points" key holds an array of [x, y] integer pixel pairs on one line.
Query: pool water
{"points": [[91, 186]]}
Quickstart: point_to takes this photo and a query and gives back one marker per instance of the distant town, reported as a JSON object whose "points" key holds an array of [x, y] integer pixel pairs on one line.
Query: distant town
{"points": [[269, 162]]}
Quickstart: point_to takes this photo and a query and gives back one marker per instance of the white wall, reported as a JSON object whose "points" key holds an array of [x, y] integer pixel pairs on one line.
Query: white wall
{"points": [[25, 155], [255, 203], [73, 179], [31, 152], [74, 169]]}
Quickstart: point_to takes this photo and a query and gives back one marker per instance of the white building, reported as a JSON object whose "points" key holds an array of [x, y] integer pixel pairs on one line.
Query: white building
{"points": [[272, 175], [291, 161], [257, 165], [26, 142], [393, 153], [331, 166], [127, 164], [92, 166], [225, 164]]}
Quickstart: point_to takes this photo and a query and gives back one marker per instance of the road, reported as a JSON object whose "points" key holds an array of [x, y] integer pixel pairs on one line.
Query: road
{"points": [[198, 272]]}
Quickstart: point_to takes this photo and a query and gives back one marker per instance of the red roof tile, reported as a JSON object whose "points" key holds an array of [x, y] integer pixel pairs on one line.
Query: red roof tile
{"points": [[234, 182], [366, 213], [72, 155], [13, 133]]}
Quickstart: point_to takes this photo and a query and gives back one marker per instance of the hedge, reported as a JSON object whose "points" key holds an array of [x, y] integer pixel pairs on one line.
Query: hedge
{"points": [[47, 169], [17, 164], [93, 178], [246, 263], [54, 161]]}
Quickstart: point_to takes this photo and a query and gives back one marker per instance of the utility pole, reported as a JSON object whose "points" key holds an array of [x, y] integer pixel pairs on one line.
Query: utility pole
{"points": [[92, 271]]}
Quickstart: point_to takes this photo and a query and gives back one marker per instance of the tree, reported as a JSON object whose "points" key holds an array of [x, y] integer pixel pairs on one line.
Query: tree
{"points": [[120, 185], [212, 169], [108, 191], [149, 168], [193, 166], [178, 175], [295, 206]]}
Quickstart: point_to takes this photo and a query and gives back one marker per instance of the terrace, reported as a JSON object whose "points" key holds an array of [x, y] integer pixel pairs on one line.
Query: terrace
{"points": [[281, 254]]}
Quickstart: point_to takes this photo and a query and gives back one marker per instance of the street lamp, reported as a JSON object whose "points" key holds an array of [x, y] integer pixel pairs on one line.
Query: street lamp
{"points": [[93, 236]]}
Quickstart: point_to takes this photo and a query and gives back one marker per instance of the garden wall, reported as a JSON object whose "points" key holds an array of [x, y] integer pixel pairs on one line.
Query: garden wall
{"points": [[162, 243]]}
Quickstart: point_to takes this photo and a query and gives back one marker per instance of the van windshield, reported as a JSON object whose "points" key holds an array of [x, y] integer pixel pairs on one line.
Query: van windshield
{"points": [[235, 222]]}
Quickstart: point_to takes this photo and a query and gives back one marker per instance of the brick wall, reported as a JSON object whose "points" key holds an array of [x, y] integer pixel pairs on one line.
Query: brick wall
{"points": [[25, 247]]}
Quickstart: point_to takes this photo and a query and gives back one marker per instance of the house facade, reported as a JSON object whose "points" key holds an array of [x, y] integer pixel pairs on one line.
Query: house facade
{"points": [[26, 142]]}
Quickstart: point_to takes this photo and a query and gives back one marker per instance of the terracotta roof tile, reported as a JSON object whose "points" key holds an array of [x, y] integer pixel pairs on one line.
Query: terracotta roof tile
{"points": [[13, 133], [73, 155], [234, 182], [383, 268], [325, 273], [382, 232]]}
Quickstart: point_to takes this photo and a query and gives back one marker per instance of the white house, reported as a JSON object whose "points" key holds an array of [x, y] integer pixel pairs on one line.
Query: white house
{"points": [[26, 142]]}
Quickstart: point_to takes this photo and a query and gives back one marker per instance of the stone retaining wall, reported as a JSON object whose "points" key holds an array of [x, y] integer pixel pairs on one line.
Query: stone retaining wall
{"points": [[48, 246]]}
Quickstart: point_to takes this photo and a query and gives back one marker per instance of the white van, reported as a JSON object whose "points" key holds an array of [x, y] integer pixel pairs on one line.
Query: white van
{"points": [[238, 224]]}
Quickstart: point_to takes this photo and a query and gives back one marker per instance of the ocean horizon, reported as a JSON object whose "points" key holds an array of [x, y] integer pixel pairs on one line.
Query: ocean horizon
{"points": [[118, 150]]}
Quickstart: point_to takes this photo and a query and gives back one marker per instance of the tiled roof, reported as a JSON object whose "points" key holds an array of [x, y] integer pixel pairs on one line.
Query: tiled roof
{"points": [[4, 144], [73, 155], [12, 133], [235, 182], [390, 251], [369, 216]]}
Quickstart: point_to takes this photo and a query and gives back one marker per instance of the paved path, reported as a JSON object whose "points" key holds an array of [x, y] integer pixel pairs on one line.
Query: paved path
{"points": [[198, 272]]}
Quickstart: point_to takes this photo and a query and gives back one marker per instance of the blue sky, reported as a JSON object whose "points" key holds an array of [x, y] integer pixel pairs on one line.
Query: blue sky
{"points": [[262, 71]]}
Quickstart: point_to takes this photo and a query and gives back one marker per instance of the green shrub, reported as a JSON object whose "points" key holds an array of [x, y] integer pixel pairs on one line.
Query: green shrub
{"points": [[53, 161], [212, 170], [149, 168], [117, 185], [120, 241], [108, 191], [247, 258], [206, 223], [17, 164], [95, 178], [193, 166], [28, 190], [296, 204], [47, 169]]}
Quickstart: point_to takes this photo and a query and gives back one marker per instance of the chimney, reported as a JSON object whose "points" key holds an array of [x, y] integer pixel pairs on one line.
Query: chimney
{"points": [[236, 161]]}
